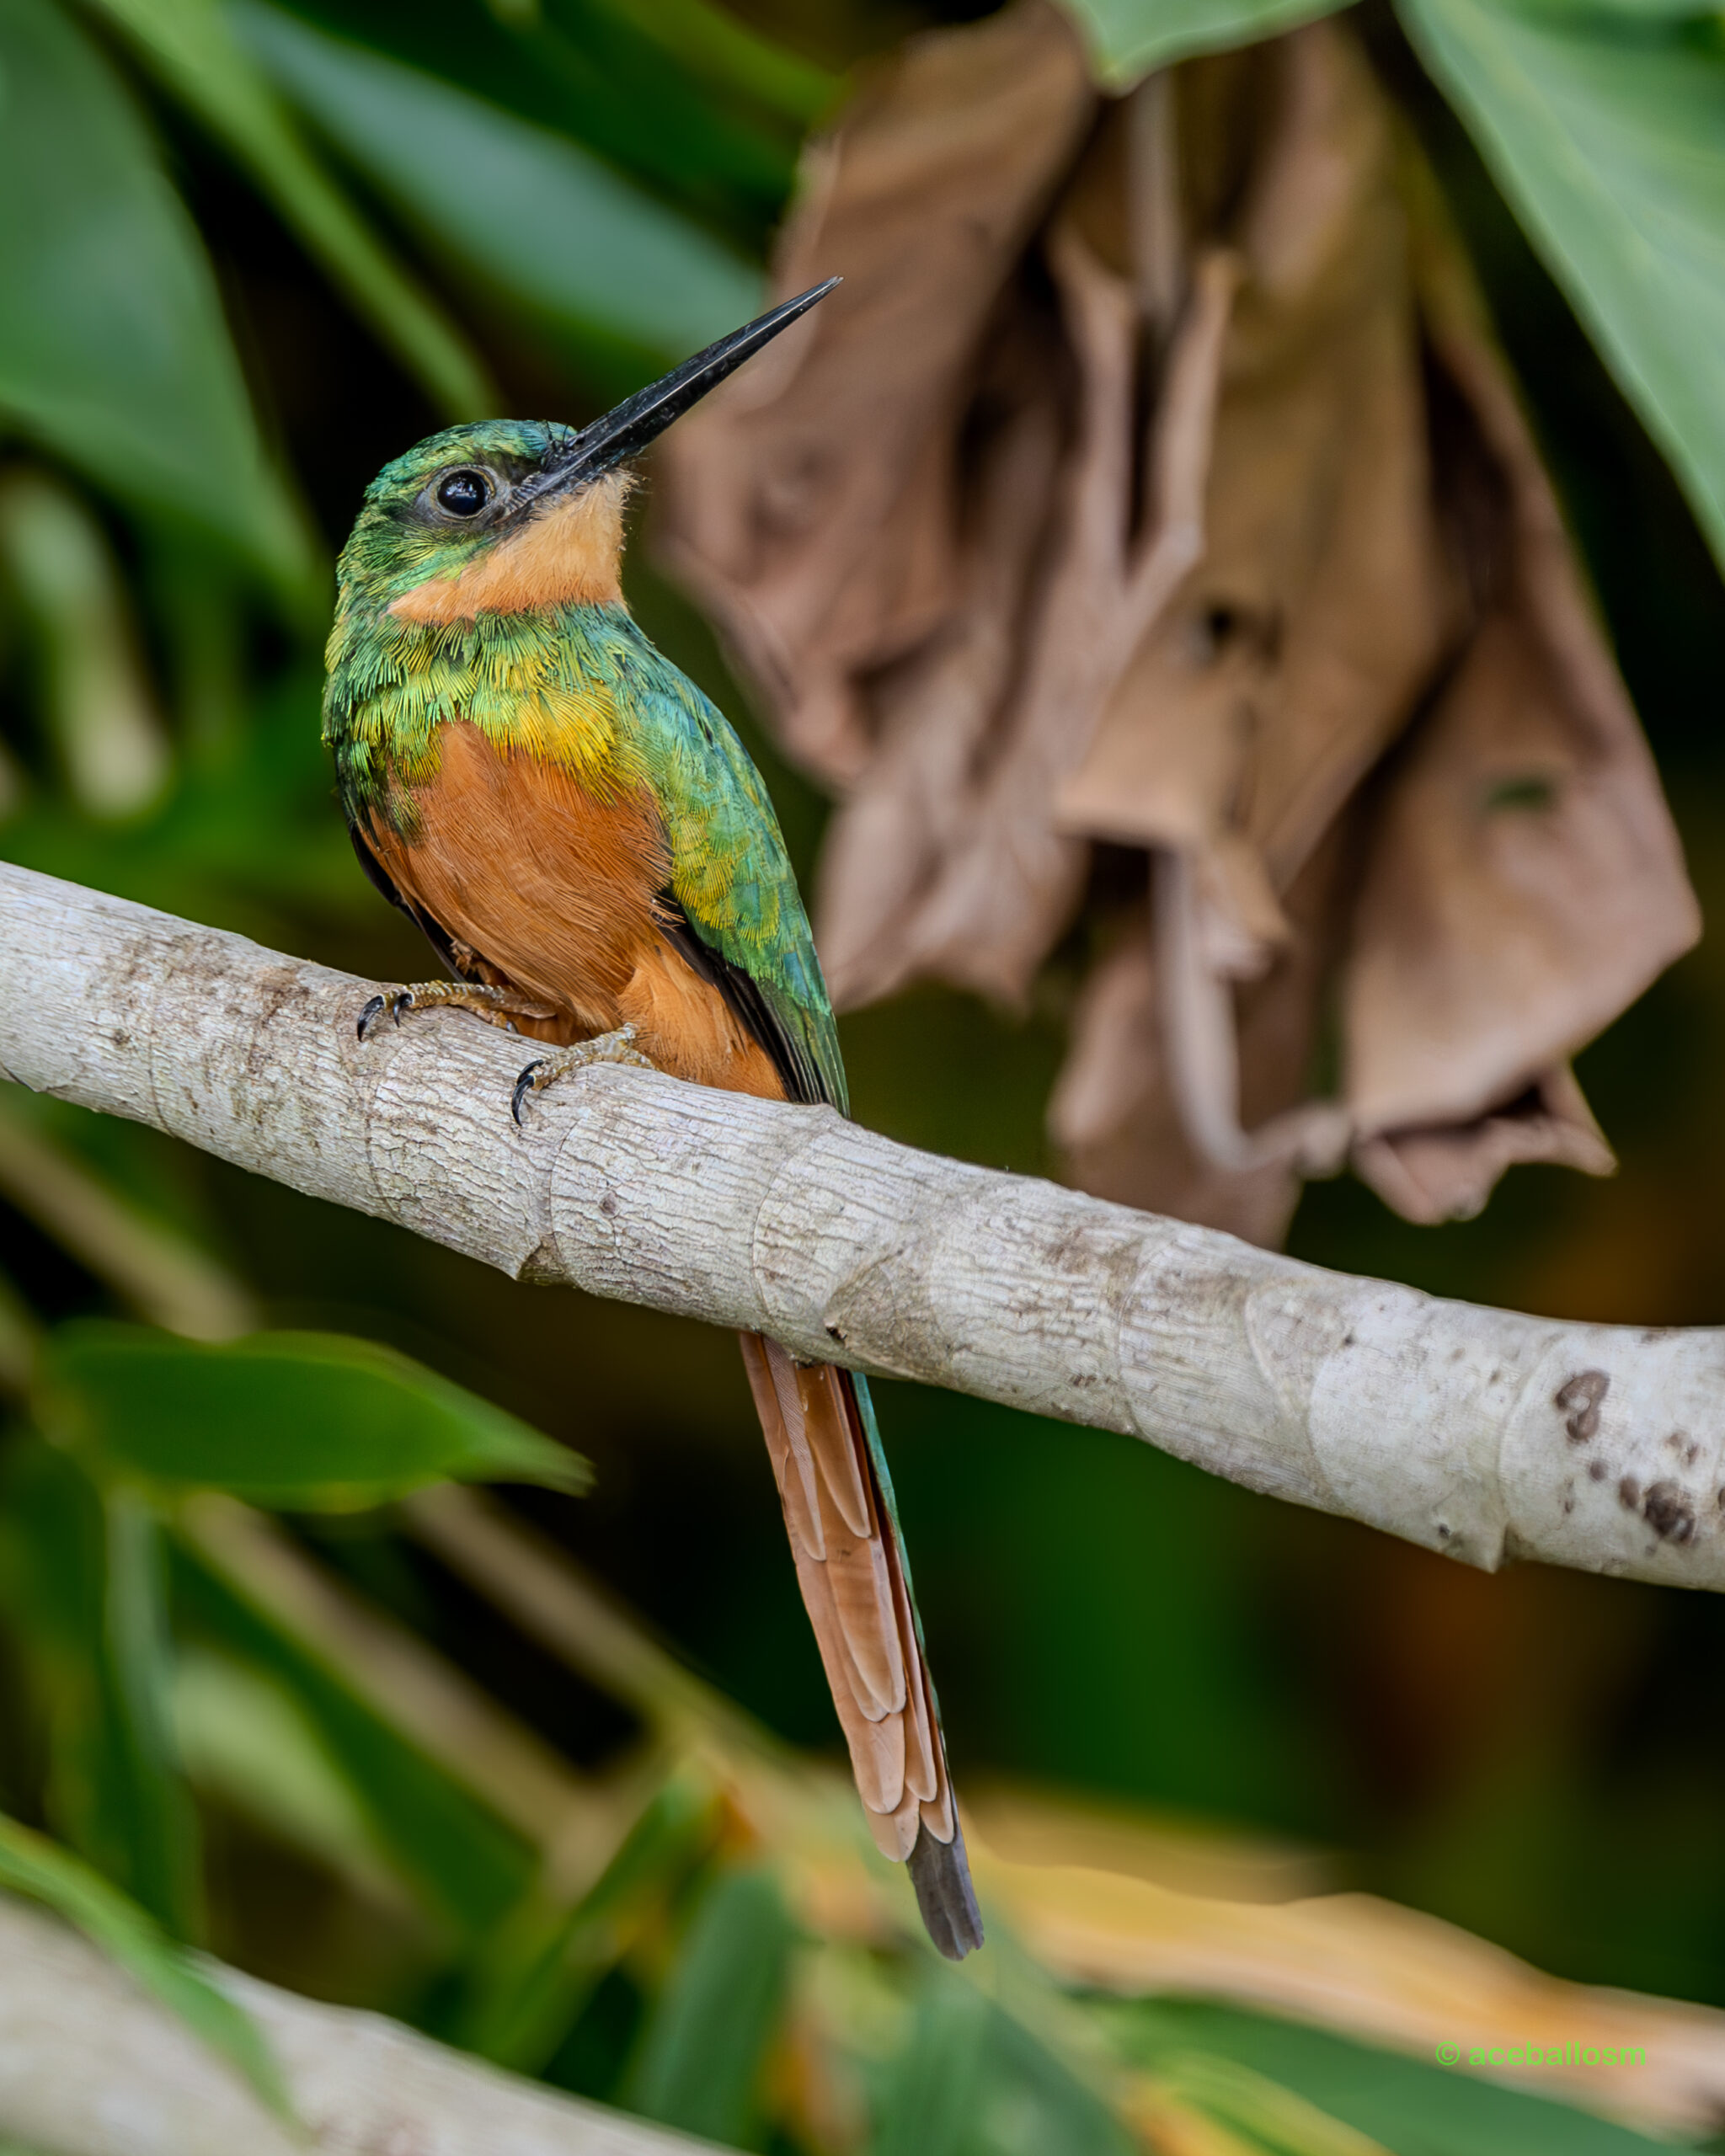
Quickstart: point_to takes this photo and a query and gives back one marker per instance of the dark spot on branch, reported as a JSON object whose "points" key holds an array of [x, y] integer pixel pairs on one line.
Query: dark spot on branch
{"points": [[1629, 1494], [607, 1204], [1667, 1509], [1578, 1399], [1597, 1472]]}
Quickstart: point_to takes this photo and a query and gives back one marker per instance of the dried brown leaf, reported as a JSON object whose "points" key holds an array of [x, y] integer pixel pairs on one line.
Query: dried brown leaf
{"points": [[1300, 643], [1011, 883], [1294, 653], [909, 811], [1524, 882], [1118, 1110], [1447, 1170], [1154, 483], [813, 502]]}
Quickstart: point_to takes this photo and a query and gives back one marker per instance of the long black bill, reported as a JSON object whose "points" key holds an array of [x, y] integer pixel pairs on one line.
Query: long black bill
{"points": [[625, 431]]}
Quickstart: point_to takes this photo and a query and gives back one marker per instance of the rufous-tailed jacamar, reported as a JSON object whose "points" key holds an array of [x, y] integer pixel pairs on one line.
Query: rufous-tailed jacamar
{"points": [[592, 854]]}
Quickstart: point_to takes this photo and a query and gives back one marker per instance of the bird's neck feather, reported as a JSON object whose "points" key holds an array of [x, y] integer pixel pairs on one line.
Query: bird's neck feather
{"points": [[536, 682]]}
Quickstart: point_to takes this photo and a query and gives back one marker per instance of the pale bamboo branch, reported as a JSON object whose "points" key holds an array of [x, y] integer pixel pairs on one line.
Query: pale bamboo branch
{"points": [[89, 2066], [1476, 1431]]}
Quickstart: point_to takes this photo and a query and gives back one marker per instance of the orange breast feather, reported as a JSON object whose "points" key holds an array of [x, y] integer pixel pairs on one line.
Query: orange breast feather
{"points": [[555, 890]]}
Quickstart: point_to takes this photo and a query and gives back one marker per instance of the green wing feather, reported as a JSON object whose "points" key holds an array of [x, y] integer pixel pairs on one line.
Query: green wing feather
{"points": [[729, 871]]}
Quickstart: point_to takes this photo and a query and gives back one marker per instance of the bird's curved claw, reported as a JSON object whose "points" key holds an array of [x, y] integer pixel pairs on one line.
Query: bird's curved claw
{"points": [[616, 1047], [389, 1004], [524, 1085]]}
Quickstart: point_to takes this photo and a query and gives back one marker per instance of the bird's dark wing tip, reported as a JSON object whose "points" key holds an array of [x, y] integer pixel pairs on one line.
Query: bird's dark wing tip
{"points": [[940, 1872]]}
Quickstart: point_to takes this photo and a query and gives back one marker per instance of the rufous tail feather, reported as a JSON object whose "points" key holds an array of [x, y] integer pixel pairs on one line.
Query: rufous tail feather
{"points": [[851, 1567]]}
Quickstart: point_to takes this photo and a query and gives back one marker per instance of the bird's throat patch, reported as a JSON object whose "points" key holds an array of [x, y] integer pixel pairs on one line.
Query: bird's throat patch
{"points": [[567, 554]]}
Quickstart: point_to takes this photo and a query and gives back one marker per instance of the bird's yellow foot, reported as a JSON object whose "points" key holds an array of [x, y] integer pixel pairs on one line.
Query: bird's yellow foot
{"points": [[498, 1007], [605, 1047]]}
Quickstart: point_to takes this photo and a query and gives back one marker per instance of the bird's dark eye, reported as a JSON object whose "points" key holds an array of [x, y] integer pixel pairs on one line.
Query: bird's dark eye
{"points": [[464, 493]]}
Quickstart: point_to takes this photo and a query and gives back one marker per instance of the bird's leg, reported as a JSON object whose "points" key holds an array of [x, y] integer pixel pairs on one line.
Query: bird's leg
{"points": [[497, 1006], [617, 1047]]}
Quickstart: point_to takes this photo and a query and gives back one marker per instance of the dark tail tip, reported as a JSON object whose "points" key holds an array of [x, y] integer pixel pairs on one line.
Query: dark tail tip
{"points": [[941, 1874]]}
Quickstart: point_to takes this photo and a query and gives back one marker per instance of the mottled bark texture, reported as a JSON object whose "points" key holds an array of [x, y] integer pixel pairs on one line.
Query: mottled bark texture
{"points": [[1480, 1433], [1147, 544]]}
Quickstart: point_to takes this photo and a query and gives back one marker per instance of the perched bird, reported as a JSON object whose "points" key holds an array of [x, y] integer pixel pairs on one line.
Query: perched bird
{"points": [[592, 854]]}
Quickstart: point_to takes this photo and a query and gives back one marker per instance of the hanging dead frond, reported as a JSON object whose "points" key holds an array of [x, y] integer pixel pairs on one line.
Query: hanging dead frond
{"points": [[1154, 485]]}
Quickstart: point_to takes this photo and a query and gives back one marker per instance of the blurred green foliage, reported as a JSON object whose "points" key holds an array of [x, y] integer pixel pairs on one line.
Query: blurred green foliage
{"points": [[114, 353], [252, 252]]}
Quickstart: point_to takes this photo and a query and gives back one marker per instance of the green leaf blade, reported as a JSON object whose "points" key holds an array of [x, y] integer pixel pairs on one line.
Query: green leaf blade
{"points": [[1606, 132], [191, 45], [532, 212], [540, 1966], [718, 46], [140, 1657], [928, 2101], [301, 1422], [114, 351], [1127, 39], [702, 2049], [82, 1583], [591, 71]]}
